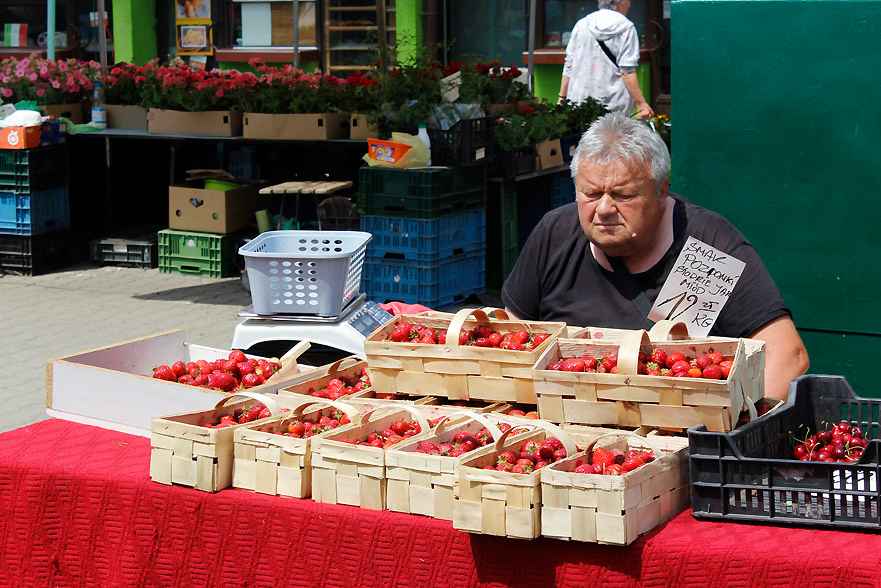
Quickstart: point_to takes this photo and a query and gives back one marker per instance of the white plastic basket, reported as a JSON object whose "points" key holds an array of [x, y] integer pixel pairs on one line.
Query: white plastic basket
{"points": [[304, 272]]}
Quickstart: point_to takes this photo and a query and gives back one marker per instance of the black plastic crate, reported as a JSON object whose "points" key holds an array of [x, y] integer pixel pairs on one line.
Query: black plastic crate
{"points": [[125, 252], [747, 474], [34, 255], [421, 182], [34, 169], [518, 162], [467, 141]]}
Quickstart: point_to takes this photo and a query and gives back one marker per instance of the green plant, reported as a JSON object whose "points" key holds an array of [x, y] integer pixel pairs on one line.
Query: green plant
{"points": [[579, 116], [519, 131], [489, 83]]}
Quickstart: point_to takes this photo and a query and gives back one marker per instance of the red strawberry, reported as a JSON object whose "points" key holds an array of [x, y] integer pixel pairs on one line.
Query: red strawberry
{"points": [[712, 372], [673, 358], [237, 356], [494, 339], [725, 366], [659, 356], [508, 457], [251, 380], [179, 368], [539, 338], [163, 372], [186, 379], [584, 469]]}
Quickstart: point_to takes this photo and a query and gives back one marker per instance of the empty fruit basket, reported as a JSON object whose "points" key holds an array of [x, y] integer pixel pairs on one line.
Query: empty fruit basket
{"points": [[304, 272]]}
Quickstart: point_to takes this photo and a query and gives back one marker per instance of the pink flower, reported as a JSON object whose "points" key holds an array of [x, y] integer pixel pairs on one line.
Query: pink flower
{"points": [[32, 77], [7, 92], [219, 93], [56, 84], [41, 92]]}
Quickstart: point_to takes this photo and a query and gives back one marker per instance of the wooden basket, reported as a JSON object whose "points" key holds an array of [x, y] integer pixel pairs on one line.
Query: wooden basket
{"points": [[269, 462], [630, 400], [187, 453], [503, 503], [615, 510], [343, 473], [424, 484], [455, 371], [347, 367]]}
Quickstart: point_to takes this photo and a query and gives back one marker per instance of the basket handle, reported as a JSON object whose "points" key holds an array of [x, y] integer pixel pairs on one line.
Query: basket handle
{"points": [[496, 313], [297, 413], [547, 427], [424, 427], [268, 402], [288, 361], [441, 425], [588, 451], [629, 347], [669, 331], [334, 368]]}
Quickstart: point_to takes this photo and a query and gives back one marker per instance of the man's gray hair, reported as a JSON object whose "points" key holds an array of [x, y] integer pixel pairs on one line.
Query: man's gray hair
{"points": [[615, 137], [608, 4]]}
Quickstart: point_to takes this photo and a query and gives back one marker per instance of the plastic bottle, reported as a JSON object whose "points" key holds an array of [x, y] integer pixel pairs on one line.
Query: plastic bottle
{"points": [[99, 112], [426, 140]]}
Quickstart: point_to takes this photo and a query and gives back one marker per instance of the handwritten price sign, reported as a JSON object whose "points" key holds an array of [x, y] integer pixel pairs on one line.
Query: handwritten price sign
{"points": [[698, 287]]}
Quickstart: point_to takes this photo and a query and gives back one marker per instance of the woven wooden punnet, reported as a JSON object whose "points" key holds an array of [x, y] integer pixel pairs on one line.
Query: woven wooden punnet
{"points": [[615, 510], [187, 453], [270, 462], [455, 371], [347, 367], [343, 473], [503, 503], [423, 484], [629, 400]]}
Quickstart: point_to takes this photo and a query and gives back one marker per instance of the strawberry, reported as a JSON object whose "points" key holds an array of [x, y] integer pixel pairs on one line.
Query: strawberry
{"points": [[695, 372], [673, 358], [725, 366], [251, 380], [712, 372], [179, 369], [163, 372], [237, 356], [520, 337], [584, 469], [186, 379], [546, 451], [539, 338], [659, 356], [494, 339], [715, 357], [507, 457]]}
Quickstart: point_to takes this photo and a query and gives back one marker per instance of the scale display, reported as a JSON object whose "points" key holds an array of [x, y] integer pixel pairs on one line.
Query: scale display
{"points": [[368, 318]]}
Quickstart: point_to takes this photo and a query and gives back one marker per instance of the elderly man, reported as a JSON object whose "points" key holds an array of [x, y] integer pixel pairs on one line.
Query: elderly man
{"points": [[601, 60], [602, 260]]}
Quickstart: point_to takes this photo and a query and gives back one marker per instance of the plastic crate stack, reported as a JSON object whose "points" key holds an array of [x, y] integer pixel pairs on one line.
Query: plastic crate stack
{"points": [[429, 233], [34, 210]]}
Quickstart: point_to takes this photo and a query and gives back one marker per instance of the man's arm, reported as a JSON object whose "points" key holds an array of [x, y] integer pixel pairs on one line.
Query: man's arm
{"points": [[643, 110], [564, 89], [785, 355]]}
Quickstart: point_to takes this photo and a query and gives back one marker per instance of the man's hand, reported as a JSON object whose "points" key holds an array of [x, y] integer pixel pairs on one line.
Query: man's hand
{"points": [[785, 356], [643, 110]]}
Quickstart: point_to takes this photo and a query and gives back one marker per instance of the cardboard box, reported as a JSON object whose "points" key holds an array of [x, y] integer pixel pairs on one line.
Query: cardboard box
{"points": [[302, 127], [112, 387], [210, 211], [120, 116], [73, 111], [213, 123], [20, 137], [550, 154], [361, 129]]}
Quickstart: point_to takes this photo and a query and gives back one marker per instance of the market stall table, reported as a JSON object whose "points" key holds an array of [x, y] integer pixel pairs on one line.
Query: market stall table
{"points": [[77, 508]]}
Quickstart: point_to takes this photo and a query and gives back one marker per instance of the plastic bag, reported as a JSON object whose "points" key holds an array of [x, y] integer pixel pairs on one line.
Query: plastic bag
{"points": [[416, 156]]}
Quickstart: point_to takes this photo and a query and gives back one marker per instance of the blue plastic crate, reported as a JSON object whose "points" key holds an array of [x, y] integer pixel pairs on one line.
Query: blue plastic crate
{"points": [[562, 190], [435, 285], [34, 213], [425, 240]]}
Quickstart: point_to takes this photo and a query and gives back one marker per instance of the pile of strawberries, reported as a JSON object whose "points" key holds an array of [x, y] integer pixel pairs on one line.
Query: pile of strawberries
{"points": [[461, 443], [532, 414], [533, 456], [613, 462], [234, 373], [481, 336], [240, 416], [341, 386], [316, 423], [711, 365], [394, 434], [843, 443]]}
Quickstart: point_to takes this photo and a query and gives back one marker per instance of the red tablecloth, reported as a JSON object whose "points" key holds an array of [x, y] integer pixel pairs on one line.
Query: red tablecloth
{"points": [[77, 508]]}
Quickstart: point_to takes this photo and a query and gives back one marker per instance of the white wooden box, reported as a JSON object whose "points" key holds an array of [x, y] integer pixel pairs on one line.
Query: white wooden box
{"points": [[112, 387]]}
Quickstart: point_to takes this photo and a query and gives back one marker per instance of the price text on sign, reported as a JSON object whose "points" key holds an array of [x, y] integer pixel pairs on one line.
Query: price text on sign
{"points": [[697, 287]]}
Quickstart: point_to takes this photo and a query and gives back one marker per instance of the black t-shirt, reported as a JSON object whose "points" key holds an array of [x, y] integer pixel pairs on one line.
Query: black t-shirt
{"points": [[556, 277]]}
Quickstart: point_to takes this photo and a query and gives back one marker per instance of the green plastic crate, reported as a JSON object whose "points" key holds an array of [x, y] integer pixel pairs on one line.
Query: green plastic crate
{"points": [[201, 254]]}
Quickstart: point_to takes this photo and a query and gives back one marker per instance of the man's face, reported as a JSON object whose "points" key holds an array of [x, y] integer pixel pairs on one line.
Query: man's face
{"points": [[623, 7], [616, 201]]}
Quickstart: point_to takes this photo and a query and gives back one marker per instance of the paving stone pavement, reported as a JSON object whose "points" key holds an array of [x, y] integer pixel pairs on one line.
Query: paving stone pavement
{"points": [[44, 317]]}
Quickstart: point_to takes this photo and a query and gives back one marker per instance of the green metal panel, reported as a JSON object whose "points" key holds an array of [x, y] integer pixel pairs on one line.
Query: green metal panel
{"points": [[777, 128], [546, 78], [408, 30], [134, 30], [848, 355]]}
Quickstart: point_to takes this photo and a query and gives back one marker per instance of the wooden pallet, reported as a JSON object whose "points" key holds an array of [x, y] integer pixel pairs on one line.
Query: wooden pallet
{"points": [[320, 188]]}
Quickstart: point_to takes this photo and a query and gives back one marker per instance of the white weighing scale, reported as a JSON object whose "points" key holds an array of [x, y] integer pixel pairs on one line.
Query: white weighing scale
{"points": [[345, 332]]}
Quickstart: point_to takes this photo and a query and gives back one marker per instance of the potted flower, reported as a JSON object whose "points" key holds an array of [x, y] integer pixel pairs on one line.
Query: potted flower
{"points": [[406, 96], [58, 87], [530, 139], [124, 97], [287, 103], [494, 87], [181, 99], [579, 117]]}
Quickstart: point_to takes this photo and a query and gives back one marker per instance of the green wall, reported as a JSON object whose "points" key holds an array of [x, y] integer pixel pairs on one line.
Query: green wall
{"points": [[547, 80], [408, 30], [777, 128], [134, 30]]}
